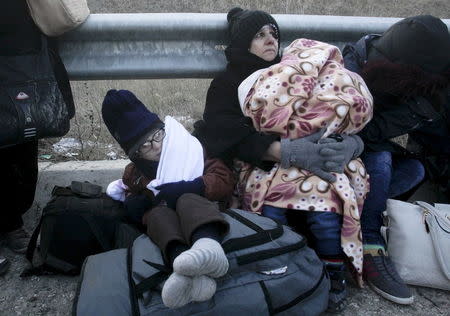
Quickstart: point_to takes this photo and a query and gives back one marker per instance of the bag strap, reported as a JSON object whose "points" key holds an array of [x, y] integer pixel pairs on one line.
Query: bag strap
{"points": [[257, 239], [243, 220], [86, 189], [137, 290], [33, 241], [104, 243], [132, 286], [42, 269], [262, 236], [152, 281], [149, 284], [436, 226]]}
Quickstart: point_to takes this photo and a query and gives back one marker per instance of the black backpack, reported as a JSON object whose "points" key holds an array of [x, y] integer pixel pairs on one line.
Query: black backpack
{"points": [[79, 221]]}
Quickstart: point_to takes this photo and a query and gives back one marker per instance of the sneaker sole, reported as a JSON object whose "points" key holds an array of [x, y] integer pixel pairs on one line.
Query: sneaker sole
{"points": [[395, 299]]}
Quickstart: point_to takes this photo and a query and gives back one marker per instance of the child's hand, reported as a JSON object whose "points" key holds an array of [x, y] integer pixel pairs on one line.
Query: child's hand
{"points": [[170, 192]]}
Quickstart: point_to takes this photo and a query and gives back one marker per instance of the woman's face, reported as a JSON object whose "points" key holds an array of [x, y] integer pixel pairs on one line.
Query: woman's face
{"points": [[151, 149], [265, 43]]}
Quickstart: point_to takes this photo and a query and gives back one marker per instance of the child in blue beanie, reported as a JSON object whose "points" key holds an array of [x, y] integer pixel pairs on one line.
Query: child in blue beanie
{"points": [[169, 187]]}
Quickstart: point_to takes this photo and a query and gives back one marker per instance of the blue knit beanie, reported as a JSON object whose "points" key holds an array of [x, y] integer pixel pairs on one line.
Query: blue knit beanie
{"points": [[127, 119]]}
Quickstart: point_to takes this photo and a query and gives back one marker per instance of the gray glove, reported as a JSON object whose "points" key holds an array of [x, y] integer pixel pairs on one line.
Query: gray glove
{"points": [[353, 147], [307, 153]]}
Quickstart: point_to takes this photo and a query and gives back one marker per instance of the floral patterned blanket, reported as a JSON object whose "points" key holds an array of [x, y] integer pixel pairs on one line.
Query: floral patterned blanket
{"points": [[308, 90]]}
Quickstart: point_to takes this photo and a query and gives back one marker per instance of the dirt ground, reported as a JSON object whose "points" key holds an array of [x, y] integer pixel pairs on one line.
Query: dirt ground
{"points": [[53, 295], [89, 139]]}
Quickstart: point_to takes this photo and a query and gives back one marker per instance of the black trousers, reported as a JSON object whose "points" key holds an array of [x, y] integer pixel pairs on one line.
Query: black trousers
{"points": [[18, 170]]}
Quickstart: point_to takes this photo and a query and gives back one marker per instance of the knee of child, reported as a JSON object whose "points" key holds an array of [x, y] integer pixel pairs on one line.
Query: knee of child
{"points": [[276, 213], [321, 221], [378, 162], [420, 170]]}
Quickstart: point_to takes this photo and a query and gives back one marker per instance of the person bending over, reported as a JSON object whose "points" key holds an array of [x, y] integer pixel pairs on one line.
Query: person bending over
{"points": [[407, 70]]}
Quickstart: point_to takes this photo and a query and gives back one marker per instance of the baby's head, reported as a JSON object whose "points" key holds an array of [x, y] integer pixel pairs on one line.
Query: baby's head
{"points": [[137, 130]]}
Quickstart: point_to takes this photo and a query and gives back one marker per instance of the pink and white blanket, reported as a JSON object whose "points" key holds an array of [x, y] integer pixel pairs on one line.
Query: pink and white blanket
{"points": [[308, 90]]}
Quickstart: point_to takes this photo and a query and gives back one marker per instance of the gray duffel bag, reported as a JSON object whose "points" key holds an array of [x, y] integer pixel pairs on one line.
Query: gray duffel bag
{"points": [[272, 272]]}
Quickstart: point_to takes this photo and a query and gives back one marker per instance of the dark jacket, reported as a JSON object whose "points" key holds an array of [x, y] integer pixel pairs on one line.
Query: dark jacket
{"points": [[409, 101], [401, 105], [218, 179], [224, 131], [20, 36]]}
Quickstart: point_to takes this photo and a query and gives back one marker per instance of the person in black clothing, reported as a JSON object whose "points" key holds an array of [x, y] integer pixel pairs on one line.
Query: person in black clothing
{"points": [[225, 131], [18, 163], [407, 70], [227, 134]]}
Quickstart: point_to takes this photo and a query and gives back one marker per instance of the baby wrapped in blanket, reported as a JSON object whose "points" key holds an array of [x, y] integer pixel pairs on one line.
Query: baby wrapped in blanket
{"points": [[307, 91]]}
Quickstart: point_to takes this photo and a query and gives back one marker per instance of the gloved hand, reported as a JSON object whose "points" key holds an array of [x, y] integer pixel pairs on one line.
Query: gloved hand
{"points": [[136, 205], [307, 153], [353, 147], [170, 192]]}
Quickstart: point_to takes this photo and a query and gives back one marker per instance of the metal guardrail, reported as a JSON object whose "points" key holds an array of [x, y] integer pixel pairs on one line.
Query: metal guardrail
{"points": [[184, 45]]}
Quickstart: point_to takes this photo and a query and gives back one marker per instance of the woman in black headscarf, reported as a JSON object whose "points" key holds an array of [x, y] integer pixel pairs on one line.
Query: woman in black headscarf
{"points": [[226, 133]]}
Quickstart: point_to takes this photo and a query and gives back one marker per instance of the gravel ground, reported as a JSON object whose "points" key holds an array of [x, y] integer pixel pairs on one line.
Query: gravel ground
{"points": [[53, 295]]}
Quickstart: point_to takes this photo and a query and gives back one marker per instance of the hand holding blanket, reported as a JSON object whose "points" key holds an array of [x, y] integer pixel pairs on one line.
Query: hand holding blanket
{"points": [[353, 147], [307, 153]]}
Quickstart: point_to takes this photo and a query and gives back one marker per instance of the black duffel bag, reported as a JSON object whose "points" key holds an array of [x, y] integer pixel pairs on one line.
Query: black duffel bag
{"points": [[79, 221], [31, 104]]}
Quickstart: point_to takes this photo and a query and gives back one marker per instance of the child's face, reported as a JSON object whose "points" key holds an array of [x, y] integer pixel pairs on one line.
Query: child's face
{"points": [[151, 149]]}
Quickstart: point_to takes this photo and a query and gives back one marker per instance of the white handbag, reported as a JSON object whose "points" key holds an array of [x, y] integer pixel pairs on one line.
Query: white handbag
{"points": [[55, 17], [418, 242]]}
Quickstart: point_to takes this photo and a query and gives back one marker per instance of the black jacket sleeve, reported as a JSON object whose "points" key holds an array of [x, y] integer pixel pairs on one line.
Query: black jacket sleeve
{"points": [[226, 132], [399, 118]]}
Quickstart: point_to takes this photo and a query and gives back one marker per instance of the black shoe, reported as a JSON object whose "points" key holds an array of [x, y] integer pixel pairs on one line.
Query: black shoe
{"points": [[338, 291], [4, 265], [382, 277]]}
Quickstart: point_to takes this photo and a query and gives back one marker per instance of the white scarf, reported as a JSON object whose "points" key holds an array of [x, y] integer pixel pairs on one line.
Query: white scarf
{"points": [[181, 156], [181, 159]]}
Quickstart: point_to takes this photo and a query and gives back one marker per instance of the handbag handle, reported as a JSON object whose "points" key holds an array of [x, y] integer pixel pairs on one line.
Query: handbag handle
{"points": [[437, 223]]}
